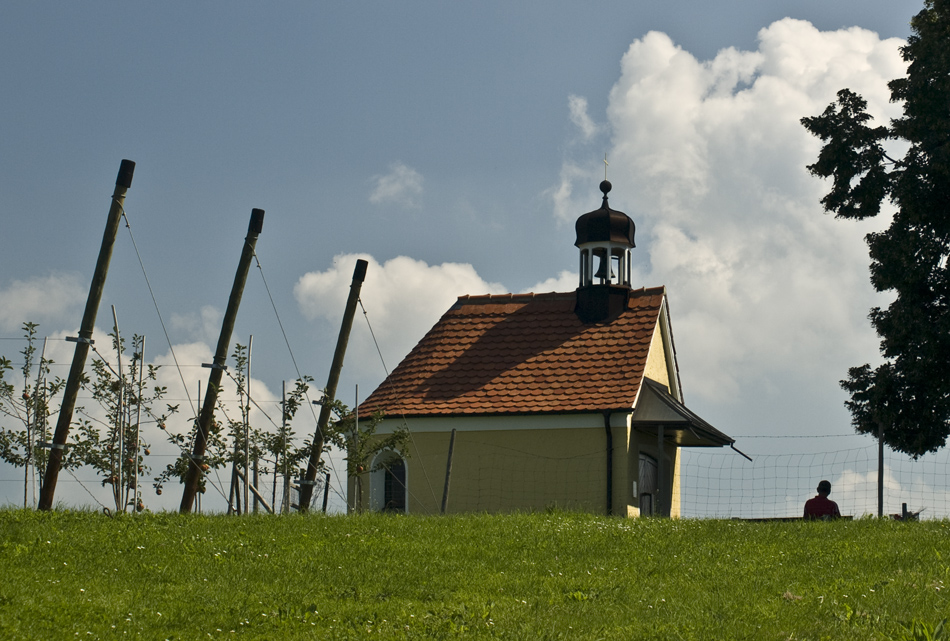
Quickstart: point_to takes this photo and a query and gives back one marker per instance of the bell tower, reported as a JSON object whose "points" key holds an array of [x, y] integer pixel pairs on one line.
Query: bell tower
{"points": [[604, 238]]}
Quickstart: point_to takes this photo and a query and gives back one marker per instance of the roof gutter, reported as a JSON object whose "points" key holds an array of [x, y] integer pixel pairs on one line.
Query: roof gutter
{"points": [[742, 453]]}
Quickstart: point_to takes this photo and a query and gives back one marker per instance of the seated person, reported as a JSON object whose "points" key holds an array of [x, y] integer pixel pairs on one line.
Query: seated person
{"points": [[821, 507]]}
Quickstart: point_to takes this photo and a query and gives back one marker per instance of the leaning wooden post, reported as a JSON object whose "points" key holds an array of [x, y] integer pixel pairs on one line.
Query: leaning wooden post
{"points": [[306, 486], [122, 183], [326, 491], [219, 364]]}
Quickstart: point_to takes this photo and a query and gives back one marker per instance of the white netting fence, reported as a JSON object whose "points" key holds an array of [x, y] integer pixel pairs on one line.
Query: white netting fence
{"points": [[721, 484], [715, 482]]}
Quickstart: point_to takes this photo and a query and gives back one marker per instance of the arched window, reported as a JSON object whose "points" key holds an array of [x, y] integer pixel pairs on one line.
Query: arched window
{"points": [[394, 487], [388, 484]]}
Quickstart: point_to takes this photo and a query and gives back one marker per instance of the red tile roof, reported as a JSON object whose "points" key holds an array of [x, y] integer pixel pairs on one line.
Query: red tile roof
{"points": [[522, 353]]}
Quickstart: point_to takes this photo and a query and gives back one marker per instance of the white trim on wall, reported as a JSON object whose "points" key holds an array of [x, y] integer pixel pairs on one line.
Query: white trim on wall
{"points": [[505, 423]]}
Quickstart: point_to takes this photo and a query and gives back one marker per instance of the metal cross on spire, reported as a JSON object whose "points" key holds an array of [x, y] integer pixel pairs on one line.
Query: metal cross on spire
{"points": [[605, 166]]}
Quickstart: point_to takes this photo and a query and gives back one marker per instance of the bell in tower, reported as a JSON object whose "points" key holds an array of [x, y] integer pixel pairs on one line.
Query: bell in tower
{"points": [[604, 238]]}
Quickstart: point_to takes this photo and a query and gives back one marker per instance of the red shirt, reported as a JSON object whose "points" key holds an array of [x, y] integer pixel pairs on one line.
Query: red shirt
{"points": [[821, 507]]}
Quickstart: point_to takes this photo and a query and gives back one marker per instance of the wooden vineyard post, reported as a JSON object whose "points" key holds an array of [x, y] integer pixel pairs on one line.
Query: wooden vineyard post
{"points": [[196, 460], [307, 483], [122, 183]]}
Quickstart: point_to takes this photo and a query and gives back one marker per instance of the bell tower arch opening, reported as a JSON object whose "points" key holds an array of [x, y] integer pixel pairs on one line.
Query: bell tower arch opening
{"points": [[605, 238]]}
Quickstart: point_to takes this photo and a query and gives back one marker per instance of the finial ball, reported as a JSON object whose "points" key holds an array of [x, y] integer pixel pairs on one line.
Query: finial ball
{"points": [[605, 187]]}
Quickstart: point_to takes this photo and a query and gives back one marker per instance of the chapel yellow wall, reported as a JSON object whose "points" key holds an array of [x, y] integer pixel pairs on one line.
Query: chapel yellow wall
{"points": [[624, 465], [675, 504], [509, 471], [530, 470], [657, 366]]}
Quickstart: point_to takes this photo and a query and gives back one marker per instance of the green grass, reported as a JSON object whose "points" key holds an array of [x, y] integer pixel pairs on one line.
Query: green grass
{"points": [[81, 575]]}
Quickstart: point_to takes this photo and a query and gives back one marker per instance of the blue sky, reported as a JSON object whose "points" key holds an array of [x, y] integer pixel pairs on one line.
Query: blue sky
{"points": [[453, 144]]}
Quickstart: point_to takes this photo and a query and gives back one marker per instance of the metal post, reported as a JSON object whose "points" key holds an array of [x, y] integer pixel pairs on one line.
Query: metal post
{"points": [[610, 462], [660, 472], [448, 472], [220, 360], [28, 456], [39, 415], [880, 470], [138, 424], [122, 183], [306, 488], [247, 424], [257, 501], [326, 491], [285, 502], [234, 485], [121, 497]]}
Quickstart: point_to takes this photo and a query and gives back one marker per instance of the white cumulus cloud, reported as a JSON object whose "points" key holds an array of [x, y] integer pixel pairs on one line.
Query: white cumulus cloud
{"points": [[566, 281], [404, 298], [402, 186], [579, 116], [41, 299], [204, 325], [708, 158]]}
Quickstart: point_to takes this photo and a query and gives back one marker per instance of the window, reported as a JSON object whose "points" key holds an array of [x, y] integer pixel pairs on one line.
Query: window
{"points": [[388, 483], [394, 486]]}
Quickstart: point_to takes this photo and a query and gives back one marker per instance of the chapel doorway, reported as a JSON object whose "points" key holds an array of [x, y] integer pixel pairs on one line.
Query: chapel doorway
{"points": [[647, 484]]}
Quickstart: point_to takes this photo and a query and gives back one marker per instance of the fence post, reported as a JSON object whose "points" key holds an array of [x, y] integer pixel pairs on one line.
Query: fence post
{"points": [[880, 471], [448, 472]]}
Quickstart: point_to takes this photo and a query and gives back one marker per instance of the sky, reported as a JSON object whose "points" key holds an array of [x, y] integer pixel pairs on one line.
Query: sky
{"points": [[452, 145]]}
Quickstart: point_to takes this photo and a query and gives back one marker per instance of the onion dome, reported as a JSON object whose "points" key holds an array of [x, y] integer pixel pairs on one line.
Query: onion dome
{"points": [[605, 225]]}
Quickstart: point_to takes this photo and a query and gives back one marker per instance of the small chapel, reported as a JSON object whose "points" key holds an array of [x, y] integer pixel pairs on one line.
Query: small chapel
{"points": [[526, 402]]}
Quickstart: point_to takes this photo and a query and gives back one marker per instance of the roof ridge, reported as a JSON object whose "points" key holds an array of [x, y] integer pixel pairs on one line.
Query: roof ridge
{"points": [[656, 289], [525, 296]]}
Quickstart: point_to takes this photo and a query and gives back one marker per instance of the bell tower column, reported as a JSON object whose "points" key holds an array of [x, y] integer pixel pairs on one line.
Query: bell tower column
{"points": [[605, 238]]}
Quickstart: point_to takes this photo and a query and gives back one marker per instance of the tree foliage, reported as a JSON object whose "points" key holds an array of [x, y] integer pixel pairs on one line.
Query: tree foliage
{"points": [[233, 441], [110, 439], [29, 407], [908, 395]]}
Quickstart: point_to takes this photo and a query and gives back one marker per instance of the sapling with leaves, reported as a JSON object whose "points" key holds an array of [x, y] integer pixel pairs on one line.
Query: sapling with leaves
{"points": [[223, 446], [231, 437], [286, 454], [216, 455], [279, 447], [247, 443], [363, 445], [239, 429], [28, 405], [111, 440]]}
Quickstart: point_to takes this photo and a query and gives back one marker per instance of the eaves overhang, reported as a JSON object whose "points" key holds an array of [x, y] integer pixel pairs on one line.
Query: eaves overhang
{"points": [[656, 408]]}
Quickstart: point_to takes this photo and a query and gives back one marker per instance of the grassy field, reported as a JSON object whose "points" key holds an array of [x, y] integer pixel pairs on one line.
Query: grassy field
{"points": [[81, 575]]}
